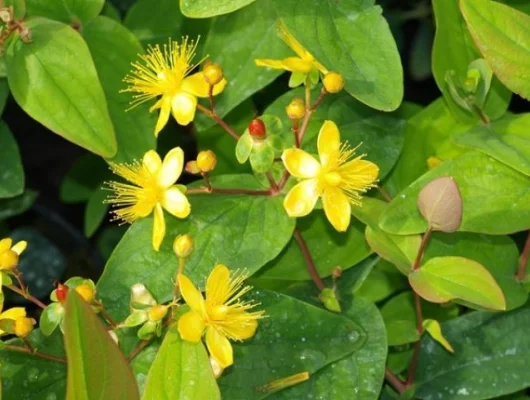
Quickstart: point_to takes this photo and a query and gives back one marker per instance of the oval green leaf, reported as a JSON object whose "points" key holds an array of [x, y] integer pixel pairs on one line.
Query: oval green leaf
{"points": [[54, 80], [211, 8], [442, 279], [503, 36], [12, 176], [88, 348], [67, 11]]}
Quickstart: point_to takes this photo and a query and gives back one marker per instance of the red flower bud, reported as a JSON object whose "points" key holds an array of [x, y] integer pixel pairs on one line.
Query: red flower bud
{"points": [[257, 129], [61, 292]]}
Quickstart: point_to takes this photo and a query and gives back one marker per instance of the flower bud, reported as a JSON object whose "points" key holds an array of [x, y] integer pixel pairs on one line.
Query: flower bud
{"points": [[8, 260], [337, 272], [86, 292], [61, 292], [192, 168], [157, 313], [333, 82], [295, 109], [206, 161], [183, 246], [216, 367], [213, 74], [24, 326], [6, 16], [257, 129]]}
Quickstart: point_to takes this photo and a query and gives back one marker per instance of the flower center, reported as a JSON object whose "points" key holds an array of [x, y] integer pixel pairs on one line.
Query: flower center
{"points": [[218, 312], [333, 178]]}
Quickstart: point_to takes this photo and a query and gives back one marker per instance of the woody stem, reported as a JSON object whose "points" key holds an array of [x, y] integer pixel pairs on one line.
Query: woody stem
{"points": [[212, 114], [311, 268]]}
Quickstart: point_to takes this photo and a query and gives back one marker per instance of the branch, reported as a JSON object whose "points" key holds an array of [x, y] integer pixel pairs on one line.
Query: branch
{"points": [[25, 350], [394, 381], [521, 270], [309, 260], [421, 250], [219, 120], [27, 296], [250, 192], [137, 349], [419, 328]]}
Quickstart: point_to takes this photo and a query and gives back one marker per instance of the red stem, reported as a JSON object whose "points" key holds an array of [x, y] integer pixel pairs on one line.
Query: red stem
{"points": [[421, 250], [34, 353], [419, 327], [394, 381], [309, 260], [27, 296], [232, 191], [521, 270], [137, 350], [219, 120]]}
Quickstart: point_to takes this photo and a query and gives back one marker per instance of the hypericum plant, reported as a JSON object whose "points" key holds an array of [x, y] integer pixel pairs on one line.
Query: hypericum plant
{"points": [[307, 237]]}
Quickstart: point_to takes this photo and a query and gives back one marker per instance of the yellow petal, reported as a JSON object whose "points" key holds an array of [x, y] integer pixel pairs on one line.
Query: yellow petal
{"points": [[171, 167], [152, 162], [219, 347], [191, 295], [176, 203], [302, 198], [5, 244], [300, 164], [165, 107], [159, 227], [328, 141], [359, 174], [183, 106], [337, 208], [240, 325], [218, 285], [20, 247], [191, 327], [295, 64], [13, 313], [263, 62], [197, 85]]}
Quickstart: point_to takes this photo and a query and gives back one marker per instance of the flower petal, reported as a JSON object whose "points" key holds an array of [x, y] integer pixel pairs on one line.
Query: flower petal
{"points": [[218, 285], [219, 347], [183, 106], [159, 227], [191, 326], [300, 164], [176, 203], [328, 141], [13, 313], [265, 62], [337, 208], [197, 85], [152, 162], [165, 107], [5, 244], [171, 167], [240, 325], [302, 198], [359, 174], [20, 247], [191, 295], [295, 64]]}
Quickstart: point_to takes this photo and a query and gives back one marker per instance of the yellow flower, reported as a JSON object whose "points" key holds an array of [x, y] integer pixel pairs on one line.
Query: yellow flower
{"points": [[12, 314], [153, 189], [304, 63], [222, 315], [167, 74], [338, 178], [9, 254]]}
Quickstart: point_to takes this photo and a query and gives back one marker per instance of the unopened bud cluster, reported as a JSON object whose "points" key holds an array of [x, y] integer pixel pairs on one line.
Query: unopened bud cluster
{"points": [[213, 74], [333, 82]]}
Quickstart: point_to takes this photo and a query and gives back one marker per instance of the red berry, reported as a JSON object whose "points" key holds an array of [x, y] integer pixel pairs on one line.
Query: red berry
{"points": [[61, 292], [257, 128]]}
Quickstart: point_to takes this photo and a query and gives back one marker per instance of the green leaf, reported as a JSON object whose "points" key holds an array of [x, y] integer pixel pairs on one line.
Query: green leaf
{"points": [[19, 370], [12, 175], [113, 49], [211, 8], [67, 11], [289, 341], [88, 347], [454, 50], [95, 211], [507, 140], [439, 122], [262, 157], [235, 41], [40, 76], [329, 249], [154, 24], [503, 36], [381, 135], [4, 94], [357, 376], [400, 317], [442, 279], [485, 344], [19, 7], [110, 10], [335, 33], [242, 232], [434, 329], [244, 147], [384, 280], [181, 370], [484, 210], [84, 177], [50, 318], [399, 250]]}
